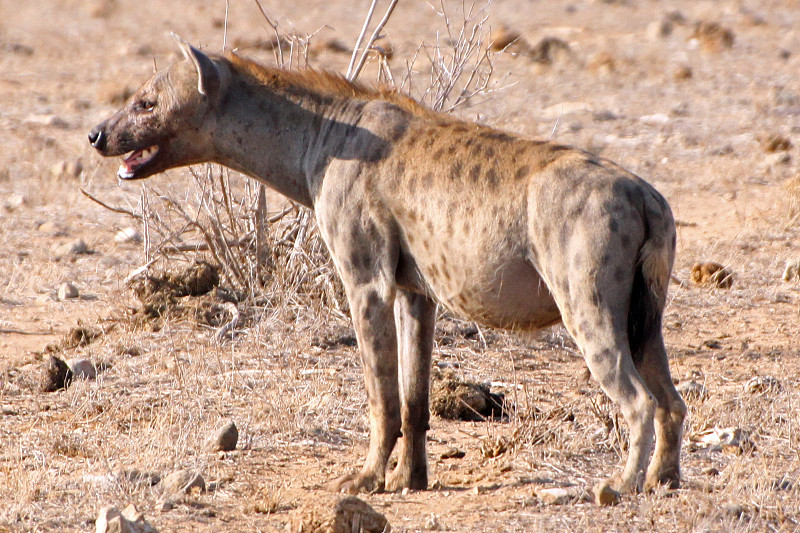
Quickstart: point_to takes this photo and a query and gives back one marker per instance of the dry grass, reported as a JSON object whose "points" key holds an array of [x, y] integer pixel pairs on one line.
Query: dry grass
{"points": [[292, 382]]}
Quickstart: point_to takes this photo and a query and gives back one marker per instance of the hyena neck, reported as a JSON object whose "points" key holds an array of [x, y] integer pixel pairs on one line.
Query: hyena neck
{"points": [[273, 126]]}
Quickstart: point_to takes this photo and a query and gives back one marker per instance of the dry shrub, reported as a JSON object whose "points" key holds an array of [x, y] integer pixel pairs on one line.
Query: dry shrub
{"points": [[278, 259]]}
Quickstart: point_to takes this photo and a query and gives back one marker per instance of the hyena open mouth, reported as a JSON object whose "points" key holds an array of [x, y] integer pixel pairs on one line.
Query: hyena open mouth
{"points": [[136, 160]]}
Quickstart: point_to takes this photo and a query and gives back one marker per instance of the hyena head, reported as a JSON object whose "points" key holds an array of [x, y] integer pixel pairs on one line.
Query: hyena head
{"points": [[167, 122]]}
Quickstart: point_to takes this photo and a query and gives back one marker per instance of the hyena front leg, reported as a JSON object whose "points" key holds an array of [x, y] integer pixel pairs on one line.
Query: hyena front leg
{"points": [[373, 318], [415, 317]]}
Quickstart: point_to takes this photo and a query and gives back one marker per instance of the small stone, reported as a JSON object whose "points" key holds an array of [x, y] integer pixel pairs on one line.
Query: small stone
{"points": [[659, 29], [504, 38], [735, 509], [67, 291], [712, 274], [165, 505], [712, 36], [51, 228], [15, 201], [75, 247], [224, 439], [682, 73], [775, 142], [110, 520], [692, 390], [792, 270], [127, 235], [777, 159], [82, 368], [555, 496], [67, 169], [605, 495], [56, 375], [182, 481], [762, 384], [658, 119], [453, 453]]}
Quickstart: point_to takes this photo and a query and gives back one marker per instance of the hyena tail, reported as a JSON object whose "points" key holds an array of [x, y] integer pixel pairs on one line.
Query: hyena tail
{"points": [[649, 293]]}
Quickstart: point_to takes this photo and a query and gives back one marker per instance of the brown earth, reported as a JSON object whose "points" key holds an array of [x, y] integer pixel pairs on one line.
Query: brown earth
{"points": [[682, 93]]}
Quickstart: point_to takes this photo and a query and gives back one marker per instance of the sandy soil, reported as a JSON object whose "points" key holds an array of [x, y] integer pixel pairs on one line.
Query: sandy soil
{"points": [[691, 115]]}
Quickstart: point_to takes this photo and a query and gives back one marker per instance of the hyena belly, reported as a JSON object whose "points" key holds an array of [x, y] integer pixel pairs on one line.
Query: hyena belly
{"points": [[494, 284]]}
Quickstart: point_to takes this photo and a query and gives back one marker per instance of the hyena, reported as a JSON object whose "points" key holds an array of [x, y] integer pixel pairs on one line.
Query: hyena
{"points": [[419, 208]]}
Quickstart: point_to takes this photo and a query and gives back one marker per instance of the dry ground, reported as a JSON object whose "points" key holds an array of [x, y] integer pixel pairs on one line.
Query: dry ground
{"points": [[685, 114]]}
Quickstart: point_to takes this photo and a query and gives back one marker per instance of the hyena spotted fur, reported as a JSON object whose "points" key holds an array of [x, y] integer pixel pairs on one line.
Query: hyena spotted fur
{"points": [[419, 208]]}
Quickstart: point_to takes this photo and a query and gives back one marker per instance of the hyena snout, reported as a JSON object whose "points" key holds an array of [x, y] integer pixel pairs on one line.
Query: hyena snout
{"points": [[98, 138]]}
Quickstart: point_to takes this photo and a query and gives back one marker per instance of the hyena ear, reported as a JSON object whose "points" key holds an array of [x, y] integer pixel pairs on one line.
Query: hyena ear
{"points": [[208, 75]]}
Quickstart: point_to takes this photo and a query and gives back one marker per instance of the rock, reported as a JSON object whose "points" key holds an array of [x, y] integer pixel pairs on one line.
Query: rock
{"points": [[712, 274], [504, 38], [736, 510], [658, 119], [682, 72], [182, 481], [554, 496], [605, 495], [775, 142], [762, 384], [548, 51], [659, 29], [127, 235], [15, 201], [67, 169], [67, 291], [347, 515], [732, 439], [75, 247], [712, 36], [453, 453], [55, 376], [692, 390], [110, 520], [602, 63], [224, 439], [778, 159], [51, 228], [82, 368], [792, 270]]}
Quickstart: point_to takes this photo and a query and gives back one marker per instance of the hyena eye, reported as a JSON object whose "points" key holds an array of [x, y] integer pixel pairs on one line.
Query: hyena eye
{"points": [[147, 105]]}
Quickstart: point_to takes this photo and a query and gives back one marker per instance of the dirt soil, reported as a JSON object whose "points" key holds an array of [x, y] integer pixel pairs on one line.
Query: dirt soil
{"points": [[701, 98]]}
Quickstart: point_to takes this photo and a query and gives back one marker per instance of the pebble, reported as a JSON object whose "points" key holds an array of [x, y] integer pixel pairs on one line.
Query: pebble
{"points": [[182, 481], [56, 375], [67, 169], [67, 291], [692, 390], [15, 201], [605, 495], [51, 228], [223, 439], [128, 235], [792, 270], [762, 384], [82, 368], [657, 119], [75, 247], [110, 520], [554, 496]]}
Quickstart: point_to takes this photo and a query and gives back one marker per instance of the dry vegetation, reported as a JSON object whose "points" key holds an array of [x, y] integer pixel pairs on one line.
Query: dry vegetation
{"points": [[270, 345]]}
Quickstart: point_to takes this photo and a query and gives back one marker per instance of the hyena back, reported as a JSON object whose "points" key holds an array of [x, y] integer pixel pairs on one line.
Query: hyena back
{"points": [[417, 208]]}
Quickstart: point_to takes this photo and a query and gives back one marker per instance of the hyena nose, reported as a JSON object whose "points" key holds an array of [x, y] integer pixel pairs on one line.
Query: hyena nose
{"points": [[97, 138]]}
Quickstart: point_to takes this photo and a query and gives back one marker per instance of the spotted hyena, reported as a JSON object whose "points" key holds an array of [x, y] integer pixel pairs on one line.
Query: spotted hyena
{"points": [[419, 208]]}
